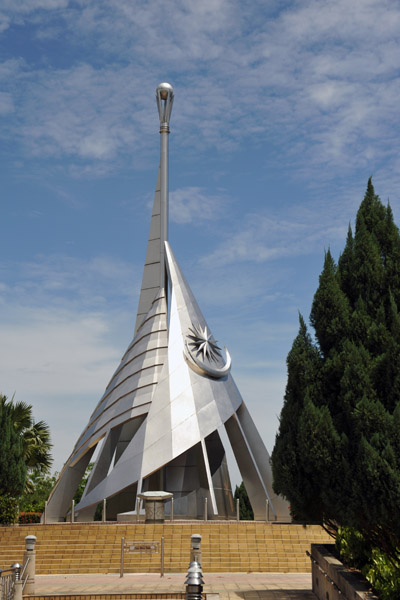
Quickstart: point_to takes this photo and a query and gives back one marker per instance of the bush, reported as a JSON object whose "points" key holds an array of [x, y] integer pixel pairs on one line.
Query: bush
{"points": [[384, 575], [29, 517], [382, 571], [8, 510]]}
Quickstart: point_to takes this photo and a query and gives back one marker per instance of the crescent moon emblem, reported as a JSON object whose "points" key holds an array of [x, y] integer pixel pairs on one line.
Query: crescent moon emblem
{"points": [[216, 372]]}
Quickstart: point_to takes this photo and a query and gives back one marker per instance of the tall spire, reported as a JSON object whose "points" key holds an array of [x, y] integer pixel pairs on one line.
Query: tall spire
{"points": [[165, 99], [154, 273]]}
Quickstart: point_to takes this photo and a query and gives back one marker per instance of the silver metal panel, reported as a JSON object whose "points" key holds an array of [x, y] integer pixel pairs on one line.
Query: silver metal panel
{"points": [[155, 228], [146, 296], [153, 253], [151, 276]]}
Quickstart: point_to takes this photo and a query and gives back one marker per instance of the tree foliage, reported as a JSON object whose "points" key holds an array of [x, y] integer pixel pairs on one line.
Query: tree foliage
{"points": [[12, 464], [337, 452], [34, 498], [35, 438], [245, 510]]}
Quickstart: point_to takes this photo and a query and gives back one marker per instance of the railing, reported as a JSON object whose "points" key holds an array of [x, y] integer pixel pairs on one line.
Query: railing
{"points": [[7, 582], [23, 573]]}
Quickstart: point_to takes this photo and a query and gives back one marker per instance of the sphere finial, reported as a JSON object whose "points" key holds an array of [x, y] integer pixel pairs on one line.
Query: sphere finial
{"points": [[165, 98]]}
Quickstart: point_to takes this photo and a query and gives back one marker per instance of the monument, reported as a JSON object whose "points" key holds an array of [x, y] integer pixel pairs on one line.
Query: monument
{"points": [[159, 417]]}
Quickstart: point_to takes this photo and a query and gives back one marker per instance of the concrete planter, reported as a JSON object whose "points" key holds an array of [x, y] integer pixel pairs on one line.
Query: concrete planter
{"points": [[331, 580]]}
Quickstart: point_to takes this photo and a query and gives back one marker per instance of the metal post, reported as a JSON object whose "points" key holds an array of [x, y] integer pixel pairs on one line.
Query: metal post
{"points": [[18, 583], [205, 509], [237, 510], [162, 557], [267, 510], [45, 513], [121, 569], [137, 509], [104, 514], [172, 509], [73, 511]]}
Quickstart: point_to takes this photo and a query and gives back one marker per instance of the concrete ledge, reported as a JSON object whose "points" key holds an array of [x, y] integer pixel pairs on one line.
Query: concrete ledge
{"points": [[331, 580]]}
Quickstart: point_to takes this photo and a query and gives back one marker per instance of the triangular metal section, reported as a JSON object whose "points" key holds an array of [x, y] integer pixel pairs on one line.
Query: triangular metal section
{"points": [[151, 279], [186, 406], [129, 393]]}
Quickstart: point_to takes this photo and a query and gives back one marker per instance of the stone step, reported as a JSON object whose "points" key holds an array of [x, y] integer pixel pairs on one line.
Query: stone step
{"points": [[96, 547]]}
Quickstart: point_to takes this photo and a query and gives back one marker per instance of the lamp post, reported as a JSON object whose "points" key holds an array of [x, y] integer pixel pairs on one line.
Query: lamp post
{"points": [[165, 99]]}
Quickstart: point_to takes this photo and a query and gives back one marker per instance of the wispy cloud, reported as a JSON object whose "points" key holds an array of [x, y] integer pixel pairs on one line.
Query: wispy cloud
{"points": [[195, 205], [67, 282], [319, 80], [261, 239]]}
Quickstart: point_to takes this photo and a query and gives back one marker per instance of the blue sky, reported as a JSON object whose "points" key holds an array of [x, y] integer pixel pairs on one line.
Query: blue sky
{"points": [[282, 111]]}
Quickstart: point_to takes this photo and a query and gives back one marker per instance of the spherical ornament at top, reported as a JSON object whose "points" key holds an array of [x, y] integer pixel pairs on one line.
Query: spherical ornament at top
{"points": [[165, 99], [164, 88]]}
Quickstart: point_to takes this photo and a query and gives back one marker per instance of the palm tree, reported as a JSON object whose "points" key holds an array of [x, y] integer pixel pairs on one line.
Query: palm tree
{"points": [[35, 437]]}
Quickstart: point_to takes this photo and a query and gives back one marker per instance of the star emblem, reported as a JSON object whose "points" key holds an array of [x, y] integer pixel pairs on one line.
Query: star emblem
{"points": [[203, 343]]}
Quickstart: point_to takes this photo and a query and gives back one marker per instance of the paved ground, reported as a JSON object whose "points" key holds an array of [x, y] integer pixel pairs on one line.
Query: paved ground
{"points": [[230, 586]]}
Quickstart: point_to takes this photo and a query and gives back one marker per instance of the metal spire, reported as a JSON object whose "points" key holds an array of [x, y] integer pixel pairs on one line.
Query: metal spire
{"points": [[165, 98]]}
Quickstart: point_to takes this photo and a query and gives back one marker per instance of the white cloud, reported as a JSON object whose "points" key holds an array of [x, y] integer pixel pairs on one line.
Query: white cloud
{"points": [[193, 204], [86, 283], [47, 351], [262, 239], [318, 79]]}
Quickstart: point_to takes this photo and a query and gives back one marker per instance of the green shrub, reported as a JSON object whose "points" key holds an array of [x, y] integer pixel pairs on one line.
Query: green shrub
{"points": [[352, 548], [8, 510], [383, 575], [382, 572]]}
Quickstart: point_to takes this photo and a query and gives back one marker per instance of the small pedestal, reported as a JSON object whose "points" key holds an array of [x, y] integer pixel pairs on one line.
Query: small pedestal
{"points": [[155, 511]]}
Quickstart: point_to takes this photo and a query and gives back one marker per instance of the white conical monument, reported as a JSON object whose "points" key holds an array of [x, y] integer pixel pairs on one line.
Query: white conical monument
{"points": [[159, 417]]}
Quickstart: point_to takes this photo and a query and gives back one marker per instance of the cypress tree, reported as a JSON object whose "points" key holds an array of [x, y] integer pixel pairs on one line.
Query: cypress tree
{"points": [[337, 451]]}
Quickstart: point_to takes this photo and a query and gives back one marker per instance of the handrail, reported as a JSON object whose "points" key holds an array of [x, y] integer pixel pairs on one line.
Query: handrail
{"points": [[23, 572]]}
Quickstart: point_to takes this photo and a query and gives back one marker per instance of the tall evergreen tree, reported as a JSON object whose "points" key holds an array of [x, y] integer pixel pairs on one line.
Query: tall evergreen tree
{"points": [[337, 452]]}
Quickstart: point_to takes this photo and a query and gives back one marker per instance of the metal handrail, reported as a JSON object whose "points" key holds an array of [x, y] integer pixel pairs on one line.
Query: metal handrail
{"points": [[7, 582], [23, 572]]}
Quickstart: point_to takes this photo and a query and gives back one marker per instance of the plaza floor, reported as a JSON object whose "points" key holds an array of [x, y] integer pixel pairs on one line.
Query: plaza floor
{"points": [[229, 586]]}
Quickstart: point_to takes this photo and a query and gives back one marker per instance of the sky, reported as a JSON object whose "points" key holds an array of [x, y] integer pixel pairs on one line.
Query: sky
{"points": [[282, 111]]}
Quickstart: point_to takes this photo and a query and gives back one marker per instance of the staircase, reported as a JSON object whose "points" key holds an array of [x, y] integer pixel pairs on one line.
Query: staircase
{"points": [[246, 546]]}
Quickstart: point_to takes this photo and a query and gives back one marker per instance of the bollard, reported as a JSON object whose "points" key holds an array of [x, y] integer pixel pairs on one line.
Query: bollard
{"points": [[267, 510], [30, 565], [162, 557], [45, 513], [195, 552], [121, 568], [73, 511], [205, 509], [137, 509], [172, 509], [104, 516], [194, 582], [237, 509]]}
